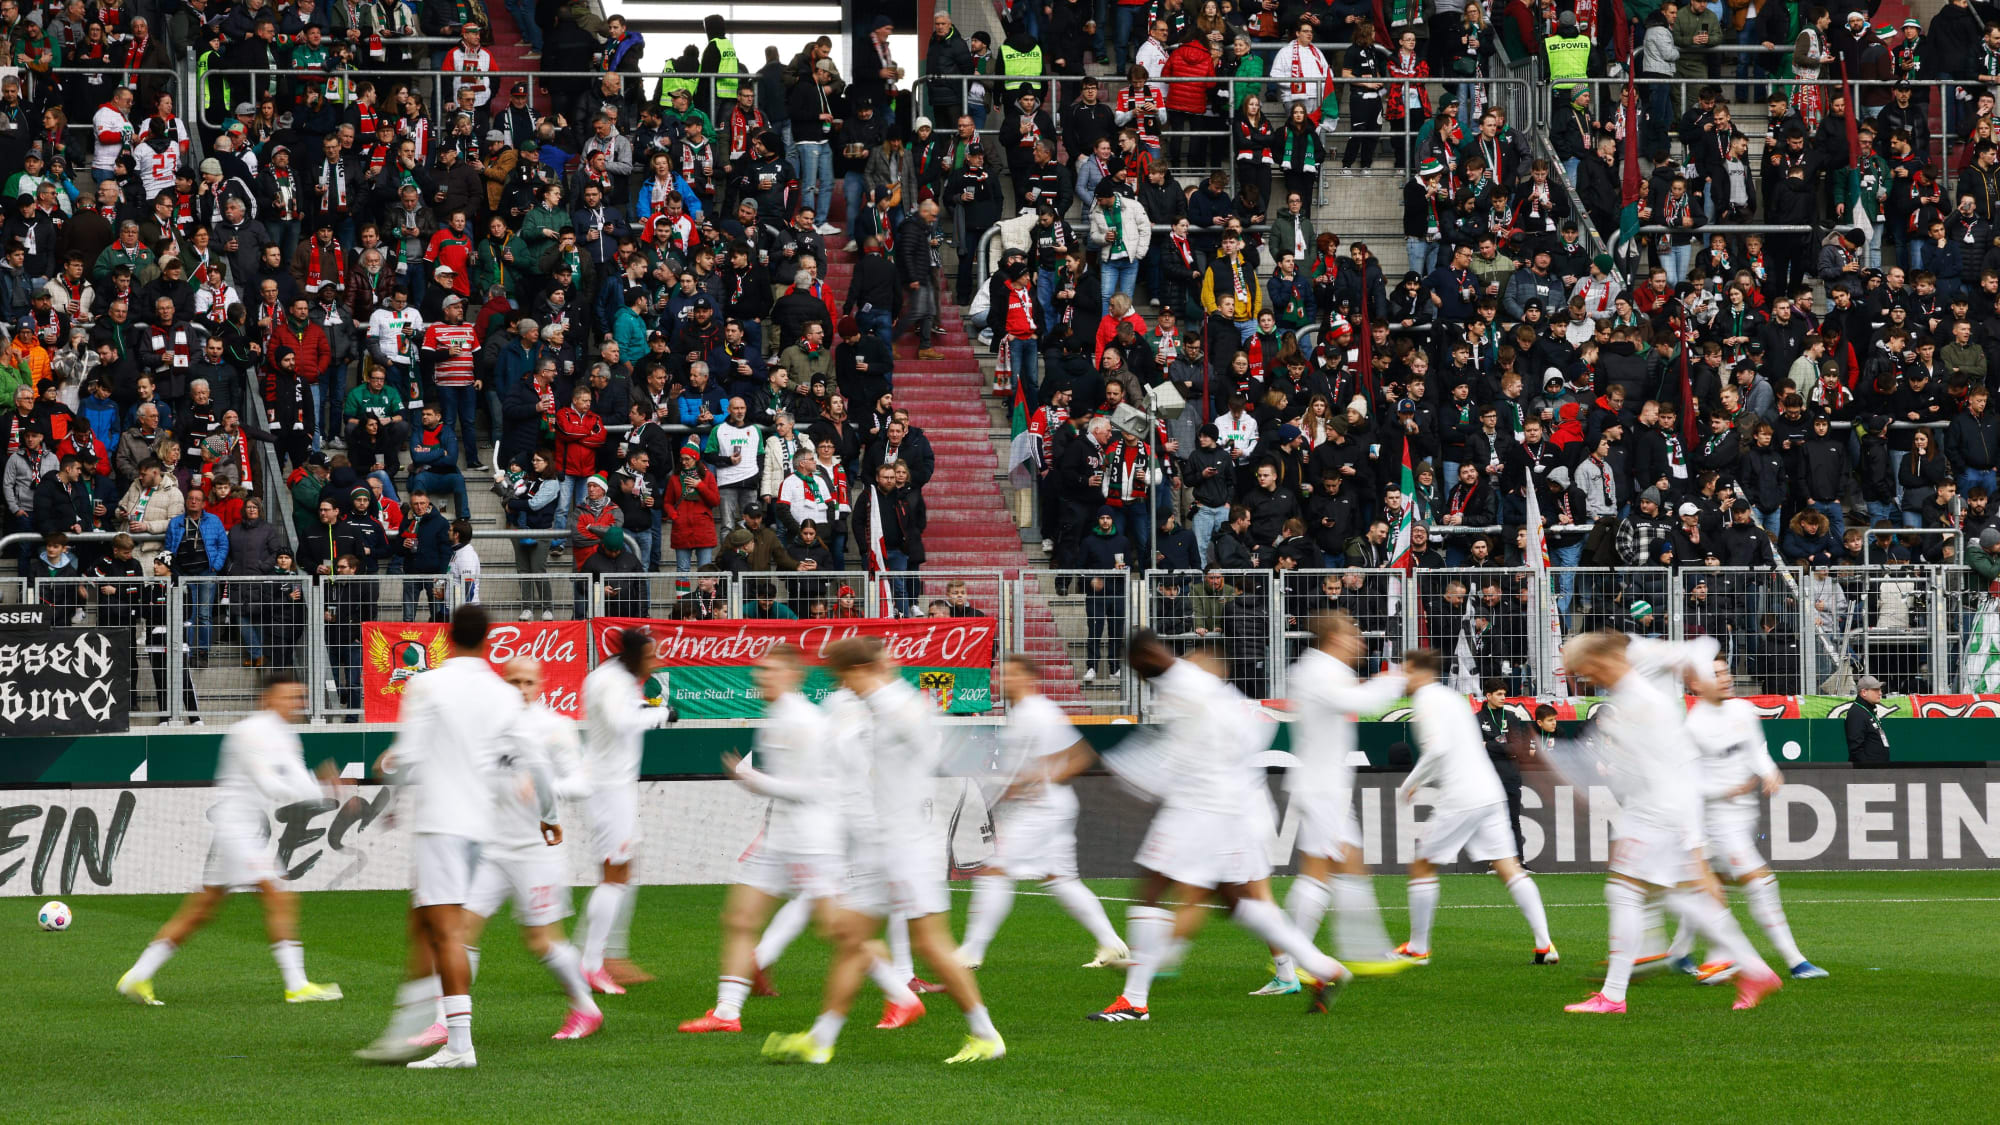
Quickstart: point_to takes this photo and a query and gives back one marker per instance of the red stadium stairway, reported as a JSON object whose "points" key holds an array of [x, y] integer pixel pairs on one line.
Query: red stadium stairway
{"points": [[971, 527], [507, 46]]}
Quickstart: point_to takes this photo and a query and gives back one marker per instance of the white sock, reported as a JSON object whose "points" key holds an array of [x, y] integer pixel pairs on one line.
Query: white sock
{"points": [[458, 1024], [1357, 920], [730, 993], [826, 1029], [1683, 943], [1627, 904], [1263, 918], [1148, 929], [1718, 925], [600, 911], [291, 958], [899, 947], [1653, 931], [151, 958], [992, 898], [418, 1005], [894, 982], [471, 964], [1306, 904], [565, 962], [1528, 897], [1171, 954], [786, 925], [1423, 908], [980, 1023], [1283, 969], [619, 944], [1083, 906], [1769, 912]]}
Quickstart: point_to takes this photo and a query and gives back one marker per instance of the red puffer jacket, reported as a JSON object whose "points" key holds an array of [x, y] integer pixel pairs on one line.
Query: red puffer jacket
{"points": [[692, 513], [578, 438], [1190, 60]]}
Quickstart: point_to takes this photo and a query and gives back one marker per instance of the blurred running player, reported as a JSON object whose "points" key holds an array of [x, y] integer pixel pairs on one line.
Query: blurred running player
{"points": [[1469, 814], [894, 861], [1035, 825], [262, 767], [520, 862], [460, 722], [801, 855], [616, 717], [1327, 698], [1642, 749], [1736, 768], [1209, 835]]}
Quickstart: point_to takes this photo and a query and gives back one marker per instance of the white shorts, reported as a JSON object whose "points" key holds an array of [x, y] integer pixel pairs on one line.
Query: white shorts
{"points": [[811, 877], [1326, 828], [238, 859], [1653, 855], [614, 824], [538, 884], [1205, 849], [1732, 838], [1481, 833], [1032, 844], [902, 884], [443, 869]]}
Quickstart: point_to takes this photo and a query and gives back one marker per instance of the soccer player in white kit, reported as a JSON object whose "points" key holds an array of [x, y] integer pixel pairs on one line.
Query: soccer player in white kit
{"points": [[1650, 763], [460, 721], [894, 862], [521, 862], [1327, 698], [616, 718], [1736, 768], [1209, 834], [1035, 825], [803, 853], [261, 768], [1469, 814]]}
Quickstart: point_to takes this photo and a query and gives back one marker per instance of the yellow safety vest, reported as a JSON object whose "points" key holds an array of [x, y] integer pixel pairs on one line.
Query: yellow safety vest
{"points": [[1569, 60], [1020, 62], [725, 64], [670, 80]]}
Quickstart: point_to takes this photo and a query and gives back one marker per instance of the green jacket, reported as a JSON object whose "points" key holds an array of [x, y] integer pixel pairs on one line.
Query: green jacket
{"points": [[1984, 563], [1694, 59], [533, 241], [13, 379], [1210, 605], [490, 269], [305, 505], [362, 401], [1249, 66]]}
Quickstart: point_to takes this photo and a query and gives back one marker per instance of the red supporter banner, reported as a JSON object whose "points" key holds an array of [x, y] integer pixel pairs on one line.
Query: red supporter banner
{"points": [[394, 652]]}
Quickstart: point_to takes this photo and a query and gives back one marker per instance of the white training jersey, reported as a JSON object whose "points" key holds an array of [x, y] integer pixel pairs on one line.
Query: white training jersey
{"points": [[1203, 743], [1730, 738], [1452, 755], [261, 768], [799, 769], [460, 721], [548, 760], [1665, 664], [157, 158], [1654, 770], [1037, 734], [847, 737], [616, 718], [1327, 698], [107, 122], [905, 750]]}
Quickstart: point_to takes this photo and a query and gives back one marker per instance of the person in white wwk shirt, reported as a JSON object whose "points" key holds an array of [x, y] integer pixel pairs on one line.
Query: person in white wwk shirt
{"points": [[262, 768], [1035, 822], [460, 725], [1468, 812], [1643, 752], [393, 331], [616, 719], [801, 854], [1736, 771]]}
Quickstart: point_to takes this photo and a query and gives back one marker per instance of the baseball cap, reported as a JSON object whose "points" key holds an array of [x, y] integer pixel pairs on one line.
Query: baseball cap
{"points": [[1688, 509]]}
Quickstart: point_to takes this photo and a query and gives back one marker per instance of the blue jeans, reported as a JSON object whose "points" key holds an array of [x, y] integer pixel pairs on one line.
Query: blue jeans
{"points": [[425, 587], [460, 406], [1883, 511], [851, 188], [201, 615], [573, 489], [880, 322], [640, 543], [1123, 19], [1023, 355], [1565, 581], [523, 12], [1569, 172], [1422, 255], [1206, 520], [687, 558], [816, 176], [1835, 518], [284, 232], [1118, 277], [904, 590], [1969, 477], [1676, 262], [1045, 295], [1772, 520], [437, 484]]}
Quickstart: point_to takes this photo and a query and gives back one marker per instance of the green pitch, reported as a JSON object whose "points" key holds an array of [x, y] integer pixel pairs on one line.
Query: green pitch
{"points": [[1903, 1029]]}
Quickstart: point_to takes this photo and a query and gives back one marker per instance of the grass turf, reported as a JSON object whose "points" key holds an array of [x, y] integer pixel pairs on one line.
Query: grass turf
{"points": [[1902, 1028]]}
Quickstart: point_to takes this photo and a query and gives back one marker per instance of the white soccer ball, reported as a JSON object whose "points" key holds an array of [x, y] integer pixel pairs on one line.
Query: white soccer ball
{"points": [[54, 915]]}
